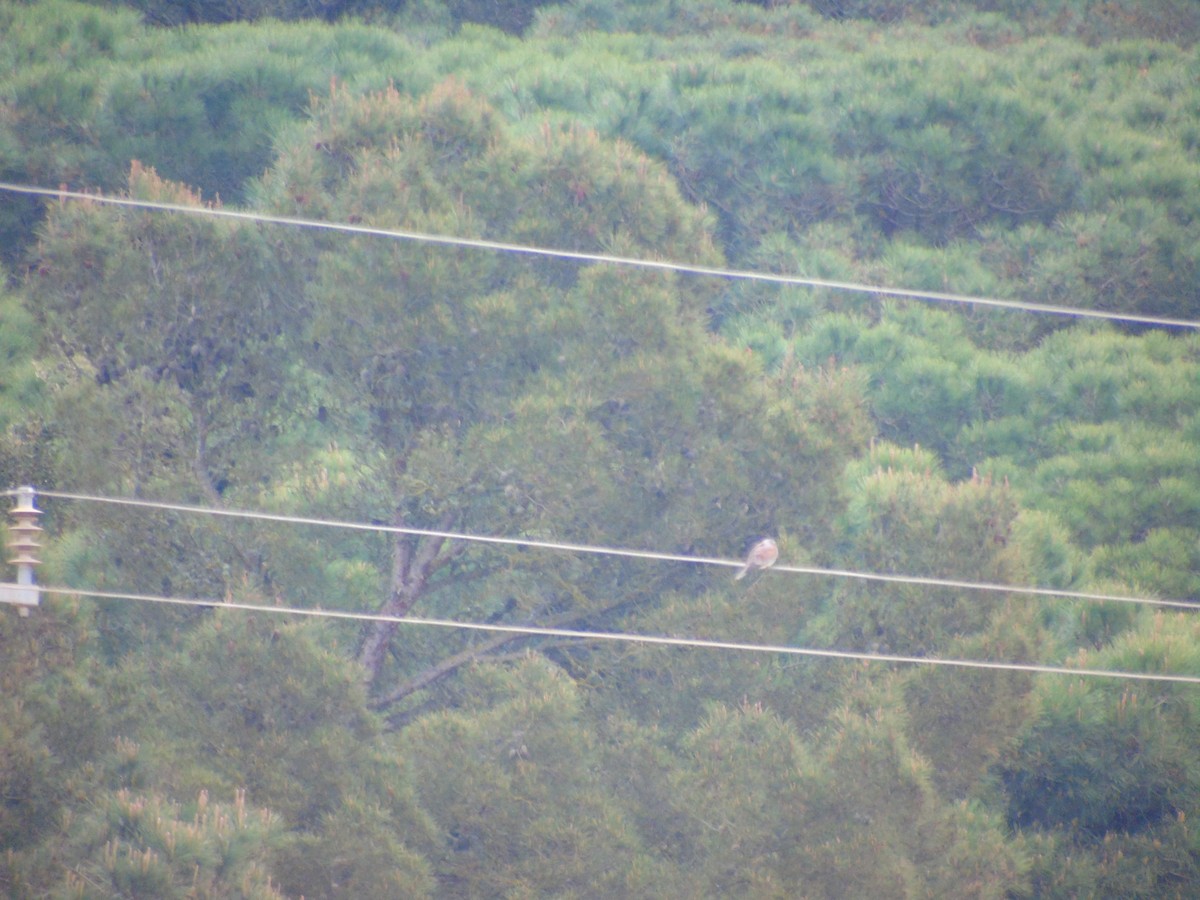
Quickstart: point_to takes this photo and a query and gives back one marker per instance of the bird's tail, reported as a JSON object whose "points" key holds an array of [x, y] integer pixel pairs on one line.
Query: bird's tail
{"points": [[741, 574]]}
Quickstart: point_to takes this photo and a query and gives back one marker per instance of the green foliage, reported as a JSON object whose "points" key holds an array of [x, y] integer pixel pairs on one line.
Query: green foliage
{"points": [[227, 311], [166, 14], [663, 17], [903, 517], [242, 709], [1120, 484], [55, 727], [358, 848], [899, 138], [88, 91], [171, 349], [759, 813], [931, 168], [489, 383], [1134, 257], [27, 779], [20, 387], [759, 148], [1106, 764], [734, 760], [404, 383], [22, 393], [928, 382], [135, 845], [53, 720], [638, 680], [1091, 426], [965, 721], [1165, 561], [1048, 555], [1165, 20], [257, 706], [514, 785], [879, 781], [399, 160], [509, 16]]}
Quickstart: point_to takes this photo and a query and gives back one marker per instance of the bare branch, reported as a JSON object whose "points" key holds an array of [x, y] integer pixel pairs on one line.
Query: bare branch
{"points": [[448, 665]]}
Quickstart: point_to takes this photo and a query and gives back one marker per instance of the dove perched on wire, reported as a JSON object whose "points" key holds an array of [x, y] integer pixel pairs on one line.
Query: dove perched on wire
{"points": [[761, 556]]}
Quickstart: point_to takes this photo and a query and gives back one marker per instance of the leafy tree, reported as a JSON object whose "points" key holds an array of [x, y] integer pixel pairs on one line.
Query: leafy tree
{"points": [[1103, 766], [360, 848], [902, 517], [260, 707], [192, 313], [1166, 20], [461, 389], [244, 708], [509, 16], [673, 690], [513, 396], [965, 721], [931, 165], [86, 91], [1133, 257], [1091, 426], [758, 147], [756, 811], [19, 384], [48, 706], [42, 146], [57, 727], [1164, 561], [170, 339], [921, 366], [515, 781], [136, 845], [671, 19], [22, 395], [165, 14]]}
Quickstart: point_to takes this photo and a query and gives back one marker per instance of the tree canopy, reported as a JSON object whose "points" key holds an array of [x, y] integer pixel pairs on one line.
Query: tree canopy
{"points": [[418, 393]]}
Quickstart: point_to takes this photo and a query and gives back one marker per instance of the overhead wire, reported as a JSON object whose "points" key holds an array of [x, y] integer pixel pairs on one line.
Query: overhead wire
{"points": [[611, 259], [599, 636], [661, 265], [658, 640], [600, 550]]}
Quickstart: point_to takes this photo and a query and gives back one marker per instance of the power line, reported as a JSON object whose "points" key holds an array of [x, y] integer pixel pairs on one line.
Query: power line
{"points": [[609, 636], [581, 256], [599, 550]]}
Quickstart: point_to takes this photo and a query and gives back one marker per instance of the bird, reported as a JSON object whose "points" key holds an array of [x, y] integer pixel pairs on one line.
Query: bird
{"points": [[761, 556]]}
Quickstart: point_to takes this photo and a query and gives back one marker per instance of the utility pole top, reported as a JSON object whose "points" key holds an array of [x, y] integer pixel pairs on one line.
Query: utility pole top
{"points": [[24, 545]]}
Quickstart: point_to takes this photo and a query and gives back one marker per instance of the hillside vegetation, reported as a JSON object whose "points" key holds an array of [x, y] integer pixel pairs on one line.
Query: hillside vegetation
{"points": [[1036, 153]]}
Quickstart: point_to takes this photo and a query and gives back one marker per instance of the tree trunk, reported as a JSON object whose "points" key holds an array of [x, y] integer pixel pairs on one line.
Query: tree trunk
{"points": [[413, 561]]}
